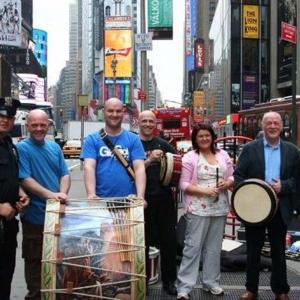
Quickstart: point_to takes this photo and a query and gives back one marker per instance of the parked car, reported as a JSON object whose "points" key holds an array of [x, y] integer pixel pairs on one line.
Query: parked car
{"points": [[72, 148]]}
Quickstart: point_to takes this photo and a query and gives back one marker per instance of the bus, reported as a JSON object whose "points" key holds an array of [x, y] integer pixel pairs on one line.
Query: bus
{"points": [[174, 122], [250, 119], [19, 130]]}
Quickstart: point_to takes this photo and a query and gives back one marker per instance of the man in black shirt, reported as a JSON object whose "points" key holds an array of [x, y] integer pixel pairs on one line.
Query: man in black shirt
{"points": [[160, 214], [12, 199]]}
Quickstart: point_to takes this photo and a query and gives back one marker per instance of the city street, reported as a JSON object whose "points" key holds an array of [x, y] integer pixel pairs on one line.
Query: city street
{"points": [[232, 282]]}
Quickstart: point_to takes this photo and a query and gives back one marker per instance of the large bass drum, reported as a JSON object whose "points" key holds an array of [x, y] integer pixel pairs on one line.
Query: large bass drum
{"points": [[94, 249], [254, 202], [170, 169]]}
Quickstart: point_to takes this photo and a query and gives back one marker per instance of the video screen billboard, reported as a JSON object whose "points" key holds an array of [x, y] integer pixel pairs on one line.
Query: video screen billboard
{"points": [[118, 53]]}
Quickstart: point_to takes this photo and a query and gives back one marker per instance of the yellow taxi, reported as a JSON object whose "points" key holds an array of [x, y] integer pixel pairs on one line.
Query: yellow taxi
{"points": [[72, 148]]}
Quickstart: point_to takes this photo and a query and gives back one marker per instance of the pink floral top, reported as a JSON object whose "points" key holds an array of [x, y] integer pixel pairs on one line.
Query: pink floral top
{"points": [[189, 174], [205, 205]]}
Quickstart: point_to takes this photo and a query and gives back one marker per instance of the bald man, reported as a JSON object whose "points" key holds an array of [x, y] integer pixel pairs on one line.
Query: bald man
{"points": [[276, 162], [104, 175], [160, 214], [44, 175]]}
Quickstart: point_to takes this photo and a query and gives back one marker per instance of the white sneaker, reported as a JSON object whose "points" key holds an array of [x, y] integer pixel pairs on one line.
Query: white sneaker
{"points": [[214, 290], [183, 296]]}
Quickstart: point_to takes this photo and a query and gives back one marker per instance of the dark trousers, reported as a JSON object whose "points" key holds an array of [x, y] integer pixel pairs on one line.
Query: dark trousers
{"points": [[255, 236], [8, 257], [160, 222], [32, 253]]}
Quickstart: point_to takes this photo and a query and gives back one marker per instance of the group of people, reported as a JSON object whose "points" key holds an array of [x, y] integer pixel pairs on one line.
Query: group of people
{"points": [[34, 170]]}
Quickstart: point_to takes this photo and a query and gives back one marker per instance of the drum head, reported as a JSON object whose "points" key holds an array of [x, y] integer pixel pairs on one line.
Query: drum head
{"points": [[254, 202]]}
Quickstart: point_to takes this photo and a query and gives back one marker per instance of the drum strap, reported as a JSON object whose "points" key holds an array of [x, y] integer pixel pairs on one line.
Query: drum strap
{"points": [[117, 153]]}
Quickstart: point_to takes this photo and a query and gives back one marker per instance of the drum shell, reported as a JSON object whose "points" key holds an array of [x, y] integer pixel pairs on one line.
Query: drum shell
{"points": [[170, 169], [258, 199], [154, 265]]}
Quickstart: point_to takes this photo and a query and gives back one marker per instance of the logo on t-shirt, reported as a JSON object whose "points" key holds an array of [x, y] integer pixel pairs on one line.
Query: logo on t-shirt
{"points": [[105, 152]]}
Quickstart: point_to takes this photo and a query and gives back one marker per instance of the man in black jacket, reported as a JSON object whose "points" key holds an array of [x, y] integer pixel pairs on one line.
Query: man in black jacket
{"points": [[12, 198], [276, 162], [160, 214]]}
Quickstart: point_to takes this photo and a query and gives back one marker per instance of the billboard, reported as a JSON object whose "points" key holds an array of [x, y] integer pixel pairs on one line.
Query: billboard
{"points": [[287, 13], [121, 91], [33, 88], [250, 91], [160, 19], [118, 53], [118, 14], [251, 21], [40, 48], [10, 23], [199, 55], [190, 32]]}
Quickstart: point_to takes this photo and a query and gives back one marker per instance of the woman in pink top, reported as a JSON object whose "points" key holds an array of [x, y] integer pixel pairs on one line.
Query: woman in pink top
{"points": [[205, 179]]}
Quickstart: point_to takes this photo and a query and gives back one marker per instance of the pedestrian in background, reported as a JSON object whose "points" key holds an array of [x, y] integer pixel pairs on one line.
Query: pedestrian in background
{"points": [[160, 214], [205, 179], [13, 200], [44, 175], [277, 162], [104, 175]]}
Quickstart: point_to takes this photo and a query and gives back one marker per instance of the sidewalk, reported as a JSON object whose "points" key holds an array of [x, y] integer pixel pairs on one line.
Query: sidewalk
{"points": [[233, 282]]}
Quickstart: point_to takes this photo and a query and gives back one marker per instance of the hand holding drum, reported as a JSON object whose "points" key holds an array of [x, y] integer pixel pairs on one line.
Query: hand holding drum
{"points": [[156, 155]]}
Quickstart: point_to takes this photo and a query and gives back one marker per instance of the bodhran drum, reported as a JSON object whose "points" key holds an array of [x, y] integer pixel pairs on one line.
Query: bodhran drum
{"points": [[170, 169], [254, 202], [154, 258], [94, 249]]}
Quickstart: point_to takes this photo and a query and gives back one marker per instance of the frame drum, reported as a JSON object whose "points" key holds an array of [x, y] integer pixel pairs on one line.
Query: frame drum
{"points": [[170, 169], [254, 202]]}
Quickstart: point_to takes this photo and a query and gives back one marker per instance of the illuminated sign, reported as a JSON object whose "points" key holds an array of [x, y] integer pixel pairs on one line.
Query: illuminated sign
{"points": [[118, 53], [251, 21], [199, 55]]}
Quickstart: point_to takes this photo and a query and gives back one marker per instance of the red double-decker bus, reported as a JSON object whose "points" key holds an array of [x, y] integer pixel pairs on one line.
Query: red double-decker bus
{"points": [[173, 122]]}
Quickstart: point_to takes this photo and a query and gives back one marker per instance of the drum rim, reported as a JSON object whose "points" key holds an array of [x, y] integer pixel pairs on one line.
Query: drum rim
{"points": [[269, 191], [168, 175]]}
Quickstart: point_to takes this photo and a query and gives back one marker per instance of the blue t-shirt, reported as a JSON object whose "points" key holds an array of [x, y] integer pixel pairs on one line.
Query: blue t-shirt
{"points": [[112, 179], [45, 164]]}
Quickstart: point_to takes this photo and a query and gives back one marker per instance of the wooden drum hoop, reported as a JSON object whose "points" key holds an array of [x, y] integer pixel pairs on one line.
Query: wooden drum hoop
{"points": [[254, 202]]}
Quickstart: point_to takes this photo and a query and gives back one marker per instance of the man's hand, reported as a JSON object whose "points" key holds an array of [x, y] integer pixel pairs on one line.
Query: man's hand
{"points": [[92, 196], [7, 211], [155, 155], [61, 197], [276, 185], [22, 203]]}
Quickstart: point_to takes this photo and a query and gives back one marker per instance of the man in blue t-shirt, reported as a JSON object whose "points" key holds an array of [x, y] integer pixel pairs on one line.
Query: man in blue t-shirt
{"points": [[104, 175], [44, 175]]}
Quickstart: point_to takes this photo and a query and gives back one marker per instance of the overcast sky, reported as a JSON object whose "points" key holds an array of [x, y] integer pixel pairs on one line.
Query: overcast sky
{"points": [[166, 57]]}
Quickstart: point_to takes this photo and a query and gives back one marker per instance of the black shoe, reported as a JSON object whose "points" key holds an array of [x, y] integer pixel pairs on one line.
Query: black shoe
{"points": [[170, 288]]}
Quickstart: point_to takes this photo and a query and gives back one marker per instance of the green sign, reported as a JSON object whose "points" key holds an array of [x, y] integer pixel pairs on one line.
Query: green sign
{"points": [[160, 13]]}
